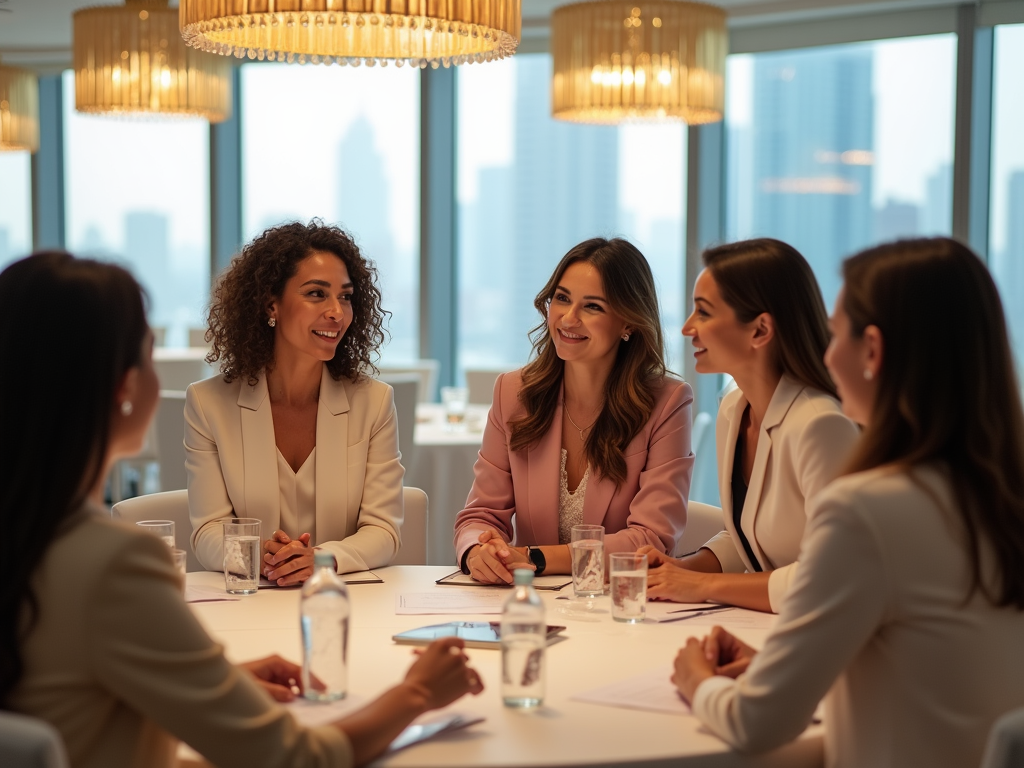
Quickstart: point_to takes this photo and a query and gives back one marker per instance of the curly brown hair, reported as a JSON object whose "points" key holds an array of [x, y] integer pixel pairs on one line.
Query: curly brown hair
{"points": [[242, 341]]}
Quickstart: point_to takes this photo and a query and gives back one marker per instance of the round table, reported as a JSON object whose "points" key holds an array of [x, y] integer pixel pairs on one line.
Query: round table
{"points": [[563, 732]]}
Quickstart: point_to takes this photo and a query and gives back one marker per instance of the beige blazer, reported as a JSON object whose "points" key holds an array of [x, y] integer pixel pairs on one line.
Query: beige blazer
{"points": [[805, 439], [231, 461], [878, 621], [121, 667]]}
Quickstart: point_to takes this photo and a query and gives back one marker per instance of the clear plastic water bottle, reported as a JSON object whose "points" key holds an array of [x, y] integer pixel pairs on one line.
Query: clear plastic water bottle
{"points": [[325, 611], [523, 640]]}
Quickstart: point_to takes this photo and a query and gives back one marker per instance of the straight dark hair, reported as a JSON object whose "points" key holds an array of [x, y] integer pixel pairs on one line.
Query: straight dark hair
{"points": [[639, 363], [947, 391], [70, 329], [770, 276]]}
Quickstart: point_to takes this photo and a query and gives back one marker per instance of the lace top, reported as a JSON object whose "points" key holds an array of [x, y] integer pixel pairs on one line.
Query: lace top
{"points": [[570, 505]]}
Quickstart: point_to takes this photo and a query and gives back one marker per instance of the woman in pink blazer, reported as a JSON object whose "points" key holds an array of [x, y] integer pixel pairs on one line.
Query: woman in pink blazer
{"points": [[593, 431]]}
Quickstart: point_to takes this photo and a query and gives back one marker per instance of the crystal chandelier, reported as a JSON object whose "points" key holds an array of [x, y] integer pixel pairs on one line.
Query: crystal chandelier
{"points": [[130, 60], [417, 32], [618, 61], [19, 110]]}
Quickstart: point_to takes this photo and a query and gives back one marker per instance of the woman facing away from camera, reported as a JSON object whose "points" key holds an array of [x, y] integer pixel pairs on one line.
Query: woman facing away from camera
{"points": [[907, 613], [96, 637], [758, 316], [294, 432], [592, 431]]}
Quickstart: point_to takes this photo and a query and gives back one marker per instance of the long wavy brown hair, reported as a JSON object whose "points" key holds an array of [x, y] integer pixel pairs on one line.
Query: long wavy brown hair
{"points": [[770, 276], [947, 391], [243, 343], [639, 363]]}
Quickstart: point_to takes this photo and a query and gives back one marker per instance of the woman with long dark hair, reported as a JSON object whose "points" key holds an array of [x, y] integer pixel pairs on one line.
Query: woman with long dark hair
{"points": [[593, 430], [96, 636], [907, 614], [781, 437]]}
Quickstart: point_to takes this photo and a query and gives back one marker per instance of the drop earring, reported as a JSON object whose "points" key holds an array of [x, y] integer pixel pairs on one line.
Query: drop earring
{"points": [[126, 408], [272, 322]]}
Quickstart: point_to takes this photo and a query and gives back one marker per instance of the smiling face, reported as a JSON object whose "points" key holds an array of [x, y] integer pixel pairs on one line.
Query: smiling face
{"points": [[853, 363], [722, 344], [314, 309], [582, 324]]}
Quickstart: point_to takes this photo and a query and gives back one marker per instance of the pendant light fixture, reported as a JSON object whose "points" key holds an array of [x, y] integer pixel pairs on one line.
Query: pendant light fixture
{"points": [[19, 110]]}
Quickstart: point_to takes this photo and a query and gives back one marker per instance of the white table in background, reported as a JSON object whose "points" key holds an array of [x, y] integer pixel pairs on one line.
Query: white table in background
{"points": [[562, 733], [177, 367], [443, 467]]}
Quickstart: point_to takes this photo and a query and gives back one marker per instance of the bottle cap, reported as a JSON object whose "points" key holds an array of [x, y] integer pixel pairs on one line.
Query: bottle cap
{"points": [[523, 576], [323, 559]]}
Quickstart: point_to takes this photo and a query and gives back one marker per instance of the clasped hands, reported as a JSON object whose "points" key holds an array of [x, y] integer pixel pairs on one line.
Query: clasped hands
{"points": [[719, 653], [287, 561], [493, 560]]}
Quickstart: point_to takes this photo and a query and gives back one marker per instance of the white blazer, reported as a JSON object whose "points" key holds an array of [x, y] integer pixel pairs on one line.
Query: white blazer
{"points": [[231, 460], [880, 621], [805, 439]]}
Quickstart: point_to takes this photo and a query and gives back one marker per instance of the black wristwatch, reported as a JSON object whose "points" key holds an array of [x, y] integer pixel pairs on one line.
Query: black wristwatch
{"points": [[537, 558]]}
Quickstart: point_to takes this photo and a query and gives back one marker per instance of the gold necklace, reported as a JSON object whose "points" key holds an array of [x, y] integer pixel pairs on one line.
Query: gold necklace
{"points": [[577, 426]]}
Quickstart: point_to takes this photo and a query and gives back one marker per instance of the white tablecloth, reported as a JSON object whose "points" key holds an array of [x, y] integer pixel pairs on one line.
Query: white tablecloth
{"points": [[443, 467], [563, 732]]}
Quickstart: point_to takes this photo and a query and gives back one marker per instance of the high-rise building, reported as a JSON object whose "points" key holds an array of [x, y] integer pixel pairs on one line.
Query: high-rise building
{"points": [[896, 219]]}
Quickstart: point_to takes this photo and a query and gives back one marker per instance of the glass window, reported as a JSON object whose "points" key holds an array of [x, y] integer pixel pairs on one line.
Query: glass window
{"points": [[1006, 235], [15, 206], [530, 187], [341, 144], [137, 192], [833, 149]]}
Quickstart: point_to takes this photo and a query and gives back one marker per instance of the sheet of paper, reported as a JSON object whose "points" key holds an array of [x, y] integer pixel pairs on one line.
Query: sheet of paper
{"points": [[652, 692], [461, 579], [658, 610], [356, 577], [450, 601], [200, 593]]}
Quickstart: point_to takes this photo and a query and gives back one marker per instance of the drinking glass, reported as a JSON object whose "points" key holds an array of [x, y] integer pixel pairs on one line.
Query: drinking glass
{"points": [[162, 528], [588, 560], [628, 576], [180, 561], [455, 400], [241, 555]]}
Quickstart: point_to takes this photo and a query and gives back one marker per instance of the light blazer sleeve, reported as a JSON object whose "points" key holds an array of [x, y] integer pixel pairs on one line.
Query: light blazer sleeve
{"points": [[839, 598], [149, 650], [822, 448], [657, 512], [491, 503], [381, 509], [208, 498]]}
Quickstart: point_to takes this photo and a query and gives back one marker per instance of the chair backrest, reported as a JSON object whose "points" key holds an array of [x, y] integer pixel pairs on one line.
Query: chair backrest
{"points": [[1005, 747], [169, 423], [429, 372], [197, 338], [177, 368], [27, 742], [169, 505], [406, 387], [414, 529], [703, 521], [480, 383]]}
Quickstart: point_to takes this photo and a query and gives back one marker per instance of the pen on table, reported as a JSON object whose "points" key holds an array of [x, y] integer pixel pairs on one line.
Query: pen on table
{"points": [[704, 608], [695, 614]]}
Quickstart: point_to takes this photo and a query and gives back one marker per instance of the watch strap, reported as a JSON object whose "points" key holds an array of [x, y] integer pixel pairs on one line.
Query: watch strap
{"points": [[537, 558]]}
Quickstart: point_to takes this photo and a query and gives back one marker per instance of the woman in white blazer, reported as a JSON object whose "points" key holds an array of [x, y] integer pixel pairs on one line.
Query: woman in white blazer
{"points": [[908, 611], [293, 431], [781, 435]]}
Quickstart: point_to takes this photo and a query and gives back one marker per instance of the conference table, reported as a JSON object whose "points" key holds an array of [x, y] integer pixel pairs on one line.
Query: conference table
{"points": [[563, 732]]}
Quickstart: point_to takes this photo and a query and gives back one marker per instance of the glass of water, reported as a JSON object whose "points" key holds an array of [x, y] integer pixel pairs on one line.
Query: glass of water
{"points": [[455, 400], [242, 555], [628, 577], [162, 528], [588, 560]]}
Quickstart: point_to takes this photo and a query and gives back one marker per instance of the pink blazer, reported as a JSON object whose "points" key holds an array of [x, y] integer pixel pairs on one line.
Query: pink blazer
{"points": [[648, 508]]}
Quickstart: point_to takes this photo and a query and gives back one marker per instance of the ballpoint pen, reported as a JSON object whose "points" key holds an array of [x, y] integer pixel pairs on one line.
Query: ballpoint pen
{"points": [[705, 608], [695, 614]]}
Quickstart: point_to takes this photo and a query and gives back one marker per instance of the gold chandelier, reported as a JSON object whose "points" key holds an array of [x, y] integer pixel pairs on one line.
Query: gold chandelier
{"points": [[420, 32], [130, 60], [617, 61], [19, 110]]}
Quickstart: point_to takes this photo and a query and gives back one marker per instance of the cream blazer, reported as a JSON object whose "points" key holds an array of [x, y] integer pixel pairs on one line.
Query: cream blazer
{"points": [[231, 461], [121, 667], [805, 439], [879, 621]]}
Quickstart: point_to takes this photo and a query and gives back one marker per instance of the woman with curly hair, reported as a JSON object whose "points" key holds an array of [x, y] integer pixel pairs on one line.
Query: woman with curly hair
{"points": [[592, 431], [293, 431]]}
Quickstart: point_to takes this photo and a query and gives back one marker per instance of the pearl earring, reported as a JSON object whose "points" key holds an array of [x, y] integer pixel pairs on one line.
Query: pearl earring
{"points": [[625, 337], [868, 375], [126, 408], [272, 322]]}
